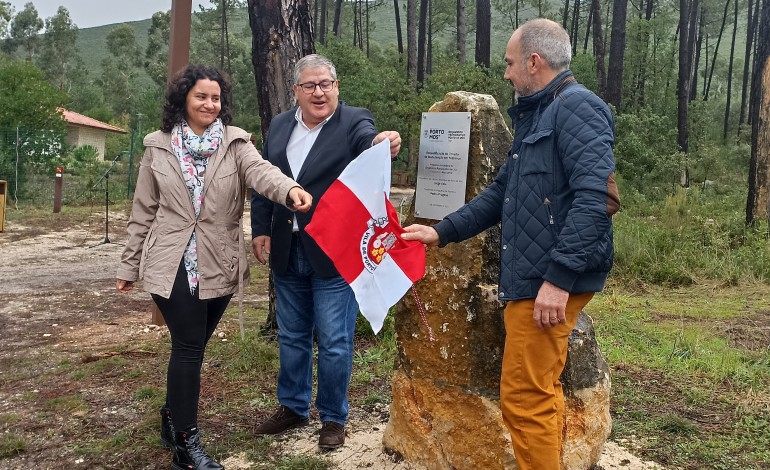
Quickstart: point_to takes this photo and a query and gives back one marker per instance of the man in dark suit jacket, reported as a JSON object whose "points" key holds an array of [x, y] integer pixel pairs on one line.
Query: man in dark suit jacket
{"points": [[312, 143]]}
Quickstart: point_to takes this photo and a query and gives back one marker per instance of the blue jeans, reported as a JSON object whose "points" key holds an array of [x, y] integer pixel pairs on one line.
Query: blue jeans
{"points": [[304, 303]]}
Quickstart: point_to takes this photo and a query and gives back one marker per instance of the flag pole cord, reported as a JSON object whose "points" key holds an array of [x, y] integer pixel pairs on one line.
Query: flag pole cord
{"points": [[421, 309]]}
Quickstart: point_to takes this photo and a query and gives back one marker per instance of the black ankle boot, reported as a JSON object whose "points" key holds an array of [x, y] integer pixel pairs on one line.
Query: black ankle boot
{"points": [[166, 428], [190, 455]]}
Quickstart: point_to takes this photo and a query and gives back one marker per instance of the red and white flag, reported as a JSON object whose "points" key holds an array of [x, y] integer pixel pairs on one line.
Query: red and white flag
{"points": [[357, 227]]}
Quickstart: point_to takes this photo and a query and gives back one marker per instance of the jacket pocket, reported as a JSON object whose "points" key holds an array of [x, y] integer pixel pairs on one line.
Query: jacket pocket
{"points": [[225, 192], [229, 237], [149, 241], [536, 153], [536, 216], [535, 171], [159, 165]]}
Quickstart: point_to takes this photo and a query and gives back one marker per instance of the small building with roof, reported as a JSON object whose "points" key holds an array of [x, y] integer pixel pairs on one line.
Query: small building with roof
{"points": [[83, 130]]}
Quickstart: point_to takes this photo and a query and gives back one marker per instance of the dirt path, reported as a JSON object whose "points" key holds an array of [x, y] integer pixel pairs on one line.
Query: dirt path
{"points": [[57, 305]]}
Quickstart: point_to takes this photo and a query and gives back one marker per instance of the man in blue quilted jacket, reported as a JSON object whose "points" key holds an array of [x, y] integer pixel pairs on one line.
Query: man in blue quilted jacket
{"points": [[554, 198]]}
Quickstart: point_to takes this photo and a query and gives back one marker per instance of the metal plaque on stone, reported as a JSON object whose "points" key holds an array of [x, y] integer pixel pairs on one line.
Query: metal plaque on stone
{"points": [[443, 164]]}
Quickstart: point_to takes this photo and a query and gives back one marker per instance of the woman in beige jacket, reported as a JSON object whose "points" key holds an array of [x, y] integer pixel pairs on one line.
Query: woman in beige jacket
{"points": [[185, 237]]}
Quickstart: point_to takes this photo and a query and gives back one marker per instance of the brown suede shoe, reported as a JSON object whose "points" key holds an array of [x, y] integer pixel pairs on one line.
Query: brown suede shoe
{"points": [[281, 421], [332, 435]]}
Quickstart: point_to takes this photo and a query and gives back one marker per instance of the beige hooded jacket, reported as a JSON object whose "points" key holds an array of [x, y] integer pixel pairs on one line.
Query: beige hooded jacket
{"points": [[163, 220]]}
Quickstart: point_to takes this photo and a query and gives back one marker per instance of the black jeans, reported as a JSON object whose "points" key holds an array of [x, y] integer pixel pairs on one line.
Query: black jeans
{"points": [[191, 322]]}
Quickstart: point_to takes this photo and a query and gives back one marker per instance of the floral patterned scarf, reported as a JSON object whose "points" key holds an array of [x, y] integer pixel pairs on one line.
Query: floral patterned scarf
{"points": [[193, 153]]}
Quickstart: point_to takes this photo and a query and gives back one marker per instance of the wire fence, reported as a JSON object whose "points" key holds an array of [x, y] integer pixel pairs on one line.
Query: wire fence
{"points": [[29, 159]]}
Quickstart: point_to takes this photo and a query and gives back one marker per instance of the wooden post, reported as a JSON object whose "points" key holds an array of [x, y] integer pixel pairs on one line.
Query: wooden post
{"points": [[178, 58], [57, 190], [179, 37], [3, 190], [157, 317]]}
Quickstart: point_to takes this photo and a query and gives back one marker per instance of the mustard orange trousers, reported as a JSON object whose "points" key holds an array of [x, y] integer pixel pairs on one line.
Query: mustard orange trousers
{"points": [[531, 397]]}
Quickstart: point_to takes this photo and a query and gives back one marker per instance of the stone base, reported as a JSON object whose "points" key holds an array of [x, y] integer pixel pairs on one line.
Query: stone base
{"points": [[443, 427]]}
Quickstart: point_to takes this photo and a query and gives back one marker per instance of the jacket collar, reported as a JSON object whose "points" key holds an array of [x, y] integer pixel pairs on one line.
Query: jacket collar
{"points": [[546, 95]]}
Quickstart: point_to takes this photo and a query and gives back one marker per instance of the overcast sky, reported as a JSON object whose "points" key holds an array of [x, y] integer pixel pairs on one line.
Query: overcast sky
{"points": [[88, 13]]}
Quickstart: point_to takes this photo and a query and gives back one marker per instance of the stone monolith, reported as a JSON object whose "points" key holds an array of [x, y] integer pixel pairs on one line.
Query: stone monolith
{"points": [[445, 413]]}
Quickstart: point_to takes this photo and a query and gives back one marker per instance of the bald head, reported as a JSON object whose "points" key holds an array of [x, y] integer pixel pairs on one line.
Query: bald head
{"points": [[547, 39]]}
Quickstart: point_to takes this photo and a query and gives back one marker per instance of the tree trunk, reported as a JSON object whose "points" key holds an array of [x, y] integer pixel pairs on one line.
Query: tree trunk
{"points": [[315, 15], [355, 22], [752, 97], [462, 31], [759, 167], [360, 24], [750, 24], [399, 37], [614, 94], [683, 83], [601, 77], [422, 31], [575, 25], [429, 47], [483, 31], [588, 28], [674, 55], [705, 68], [565, 16], [730, 76], [281, 34], [411, 42], [224, 39], [337, 18], [641, 84], [716, 48], [696, 63], [322, 26], [516, 15]]}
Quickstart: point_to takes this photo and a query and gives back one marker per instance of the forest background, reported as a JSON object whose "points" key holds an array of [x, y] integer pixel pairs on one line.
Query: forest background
{"points": [[680, 77]]}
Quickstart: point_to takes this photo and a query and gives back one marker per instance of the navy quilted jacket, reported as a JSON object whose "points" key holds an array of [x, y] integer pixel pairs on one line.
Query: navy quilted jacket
{"points": [[554, 196]]}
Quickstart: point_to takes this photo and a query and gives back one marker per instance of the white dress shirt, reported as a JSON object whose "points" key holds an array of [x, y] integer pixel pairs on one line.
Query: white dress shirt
{"points": [[301, 141]]}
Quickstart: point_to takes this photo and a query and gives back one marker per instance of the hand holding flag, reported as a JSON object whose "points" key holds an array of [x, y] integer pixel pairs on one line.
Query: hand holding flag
{"points": [[357, 227]]}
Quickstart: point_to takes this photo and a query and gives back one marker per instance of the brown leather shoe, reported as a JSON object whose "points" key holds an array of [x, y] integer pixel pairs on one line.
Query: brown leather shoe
{"points": [[281, 421], [332, 435]]}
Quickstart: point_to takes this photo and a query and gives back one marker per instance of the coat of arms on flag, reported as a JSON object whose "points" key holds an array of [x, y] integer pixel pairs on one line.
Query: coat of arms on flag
{"points": [[358, 228]]}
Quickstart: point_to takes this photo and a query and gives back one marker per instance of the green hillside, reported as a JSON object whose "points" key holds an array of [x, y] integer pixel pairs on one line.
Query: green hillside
{"points": [[382, 29], [93, 47]]}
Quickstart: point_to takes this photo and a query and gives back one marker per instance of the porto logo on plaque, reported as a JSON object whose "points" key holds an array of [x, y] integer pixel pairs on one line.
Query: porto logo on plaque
{"points": [[443, 164]]}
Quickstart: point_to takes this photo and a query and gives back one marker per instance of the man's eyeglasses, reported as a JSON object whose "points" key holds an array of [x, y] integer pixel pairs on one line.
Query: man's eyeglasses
{"points": [[309, 87]]}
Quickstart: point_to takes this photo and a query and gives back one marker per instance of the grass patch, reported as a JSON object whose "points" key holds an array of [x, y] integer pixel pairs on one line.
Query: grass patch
{"points": [[69, 403], [101, 366], [375, 398], [303, 462], [687, 239], [11, 444], [148, 392], [119, 440], [9, 418], [133, 374], [676, 425], [240, 358], [689, 379]]}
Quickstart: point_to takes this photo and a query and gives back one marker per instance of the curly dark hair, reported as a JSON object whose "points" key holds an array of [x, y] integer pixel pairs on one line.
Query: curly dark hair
{"points": [[180, 86]]}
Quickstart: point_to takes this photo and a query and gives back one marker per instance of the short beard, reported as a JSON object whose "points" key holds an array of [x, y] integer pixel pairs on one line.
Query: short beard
{"points": [[525, 89]]}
